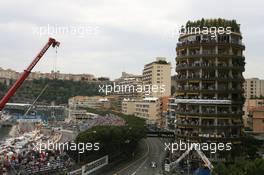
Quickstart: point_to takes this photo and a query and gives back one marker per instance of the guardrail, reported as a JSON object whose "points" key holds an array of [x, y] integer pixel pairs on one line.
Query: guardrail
{"points": [[91, 167]]}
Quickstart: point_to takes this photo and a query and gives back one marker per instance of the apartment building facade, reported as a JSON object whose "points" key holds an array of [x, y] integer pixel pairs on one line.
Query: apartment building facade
{"points": [[96, 102], [158, 73], [209, 96], [253, 87], [248, 108], [254, 97], [148, 108], [257, 120]]}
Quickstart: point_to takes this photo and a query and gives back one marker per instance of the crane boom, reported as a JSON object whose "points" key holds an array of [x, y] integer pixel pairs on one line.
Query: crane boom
{"points": [[205, 159], [51, 42]]}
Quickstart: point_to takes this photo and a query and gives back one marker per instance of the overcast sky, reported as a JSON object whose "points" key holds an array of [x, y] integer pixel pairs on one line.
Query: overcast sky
{"points": [[106, 37]]}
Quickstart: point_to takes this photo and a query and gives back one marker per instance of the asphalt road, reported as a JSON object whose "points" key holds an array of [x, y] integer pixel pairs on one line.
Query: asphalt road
{"points": [[152, 151], [142, 166]]}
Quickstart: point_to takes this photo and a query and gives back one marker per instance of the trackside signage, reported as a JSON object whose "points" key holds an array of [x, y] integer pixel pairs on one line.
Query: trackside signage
{"points": [[95, 165]]}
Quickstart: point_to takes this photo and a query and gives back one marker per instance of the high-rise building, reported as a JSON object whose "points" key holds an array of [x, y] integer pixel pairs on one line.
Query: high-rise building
{"points": [[253, 87], [158, 75], [209, 96]]}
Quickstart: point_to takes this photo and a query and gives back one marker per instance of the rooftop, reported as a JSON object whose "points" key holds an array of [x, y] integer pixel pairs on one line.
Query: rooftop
{"points": [[215, 23]]}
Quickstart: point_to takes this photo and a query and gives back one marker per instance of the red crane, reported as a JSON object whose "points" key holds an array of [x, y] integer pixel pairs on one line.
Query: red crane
{"points": [[52, 42]]}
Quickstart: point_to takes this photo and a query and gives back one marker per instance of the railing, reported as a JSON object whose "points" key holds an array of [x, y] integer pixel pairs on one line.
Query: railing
{"points": [[186, 123], [206, 135], [207, 112], [204, 65], [207, 53], [180, 44], [183, 77], [207, 89]]}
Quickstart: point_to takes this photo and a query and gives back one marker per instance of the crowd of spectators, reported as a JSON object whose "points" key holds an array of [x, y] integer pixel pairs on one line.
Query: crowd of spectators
{"points": [[110, 119], [34, 162]]}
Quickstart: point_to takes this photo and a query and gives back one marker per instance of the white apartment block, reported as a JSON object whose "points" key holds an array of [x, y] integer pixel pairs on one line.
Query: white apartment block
{"points": [[158, 73], [253, 87]]}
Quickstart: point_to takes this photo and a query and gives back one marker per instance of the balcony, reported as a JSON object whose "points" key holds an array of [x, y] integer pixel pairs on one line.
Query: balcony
{"points": [[188, 88], [207, 124], [208, 112], [205, 136], [208, 89], [187, 112], [185, 66], [207, 54], [210, 78], [210, 42]]}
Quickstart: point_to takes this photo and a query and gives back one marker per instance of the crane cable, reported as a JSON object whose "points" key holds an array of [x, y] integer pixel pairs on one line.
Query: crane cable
{"points": [[34, 102], [55, 63]]}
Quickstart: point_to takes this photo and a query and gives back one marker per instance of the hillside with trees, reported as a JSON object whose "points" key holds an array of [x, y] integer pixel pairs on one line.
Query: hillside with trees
{"points": [[58, 91]]}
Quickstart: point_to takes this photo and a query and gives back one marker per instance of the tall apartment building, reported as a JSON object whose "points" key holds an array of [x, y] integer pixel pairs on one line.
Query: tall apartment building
{"points": [[158, 73], [148, 108], [209, 94], [253, 87]]}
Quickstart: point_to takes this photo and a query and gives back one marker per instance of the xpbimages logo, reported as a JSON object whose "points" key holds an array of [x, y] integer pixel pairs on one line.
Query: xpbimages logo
{"points": [[213, 31], [68, 146], [184, 146], [130, 88]]}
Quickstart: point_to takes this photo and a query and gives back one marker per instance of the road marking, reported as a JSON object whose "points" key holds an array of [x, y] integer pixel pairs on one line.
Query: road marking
{"points": [[144, 156], [139, 167]]}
